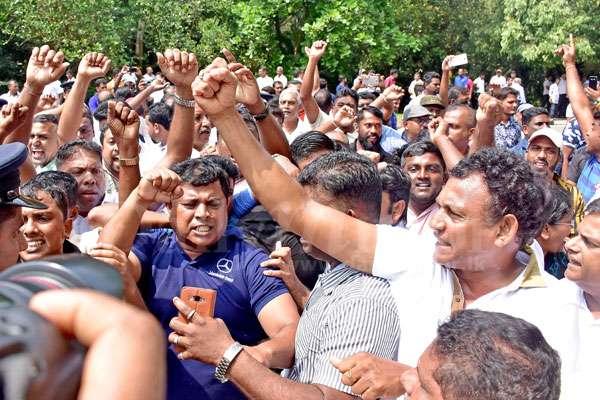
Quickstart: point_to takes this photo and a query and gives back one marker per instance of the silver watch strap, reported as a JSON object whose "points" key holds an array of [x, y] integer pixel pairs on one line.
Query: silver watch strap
{"points": [[230, 354], [184, 103]]}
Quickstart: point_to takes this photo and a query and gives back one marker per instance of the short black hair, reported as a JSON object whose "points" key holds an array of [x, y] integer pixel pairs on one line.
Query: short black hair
{"points": [[160, 113], [66, 182], [559, 204], [472, 120], [367, 95], [42, 183], [100, 81], [202, 172], [593, 207], [393, 71], [308, 143], [430, 76], [397, 184], [456, 91], [225, 163], [347, 177], [324, 100], [505, 92], [102, 111], [532, 112], [371, 110], [347, 92], [67, 150], [45, 119], [417, 149], [490, 355], [124, 93], [513, 187]]}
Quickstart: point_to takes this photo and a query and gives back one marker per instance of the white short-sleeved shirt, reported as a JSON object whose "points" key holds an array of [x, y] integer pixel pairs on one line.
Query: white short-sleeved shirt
{"points": [[571, 329], [425, 290]]}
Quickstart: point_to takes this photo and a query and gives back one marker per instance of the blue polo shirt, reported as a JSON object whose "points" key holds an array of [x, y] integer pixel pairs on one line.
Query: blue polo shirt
{"points": [[232, 268]]}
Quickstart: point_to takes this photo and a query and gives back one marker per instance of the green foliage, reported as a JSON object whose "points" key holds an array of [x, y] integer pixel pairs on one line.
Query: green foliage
{"points": [[378, 34]]}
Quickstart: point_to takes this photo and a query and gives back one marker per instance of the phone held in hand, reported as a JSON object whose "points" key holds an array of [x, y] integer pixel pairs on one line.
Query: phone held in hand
{"points": [[459, 59], [593, 82], [200, 299]]}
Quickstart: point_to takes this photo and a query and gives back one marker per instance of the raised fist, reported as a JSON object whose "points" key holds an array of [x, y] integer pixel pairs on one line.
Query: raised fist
{"points": [[161, 185], [214, 89], [93, 65], [180, 67], [567, 51], [316, 50], [124, 123]]}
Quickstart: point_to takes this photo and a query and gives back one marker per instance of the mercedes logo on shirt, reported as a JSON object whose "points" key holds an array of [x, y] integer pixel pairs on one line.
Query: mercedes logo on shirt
{"points": [[224, 265]]}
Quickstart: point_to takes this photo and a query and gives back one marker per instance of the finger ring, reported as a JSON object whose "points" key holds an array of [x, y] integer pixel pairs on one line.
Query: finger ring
{"points": [[176, 340], [190, 315], [349, 374], [201, 75]]}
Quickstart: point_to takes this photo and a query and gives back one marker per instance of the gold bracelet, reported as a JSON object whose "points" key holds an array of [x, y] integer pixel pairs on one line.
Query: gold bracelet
{"points": [[129, 162]]}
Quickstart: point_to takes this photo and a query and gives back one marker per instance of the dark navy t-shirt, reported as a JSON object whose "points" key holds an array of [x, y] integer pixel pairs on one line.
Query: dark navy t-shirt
{"points": [[233, 269]]}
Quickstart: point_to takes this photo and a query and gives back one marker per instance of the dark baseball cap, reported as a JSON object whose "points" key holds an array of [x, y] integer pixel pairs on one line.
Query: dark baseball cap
{"points": [[12, 156]]}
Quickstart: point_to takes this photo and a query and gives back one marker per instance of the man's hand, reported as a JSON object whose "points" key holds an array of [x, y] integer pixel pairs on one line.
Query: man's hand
{"points": [[282, 267], [13, 116], [567, 52], [393, 93], [489, 108], [124, 123], [200, 338], [594, 94], [45, 66], [437, 128], [214, 89], [161, 185], [247, 91], [317, 50], [371, 155], [371, 377], [344, 118], [92, 66], [116, 258], [446, 64], [158, 84], [180, 67]]}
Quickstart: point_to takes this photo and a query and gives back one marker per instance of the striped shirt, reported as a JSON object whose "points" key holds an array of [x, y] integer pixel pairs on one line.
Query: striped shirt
{"points": [[346, 313]]}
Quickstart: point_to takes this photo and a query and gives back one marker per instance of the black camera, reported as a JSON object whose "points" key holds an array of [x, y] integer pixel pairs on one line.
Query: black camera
{"points": [[36, 361]]}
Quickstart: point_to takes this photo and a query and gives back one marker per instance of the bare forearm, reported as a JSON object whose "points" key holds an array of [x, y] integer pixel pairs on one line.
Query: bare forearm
{"points": [[311, 107], [564, 172], [284, 204], [138, 100], [278, 351], [451, 154], [30, 96], [272, 137], [180, 140], [245, 372], [129, 175], [123, 226], [444, 82], [327, 126], [386, 107], [484, 136], [578, 99], [70, 119], [300, 295]]}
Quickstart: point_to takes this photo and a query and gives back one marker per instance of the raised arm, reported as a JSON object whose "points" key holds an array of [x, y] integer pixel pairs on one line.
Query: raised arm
{"points": [[180, 68], [13, 115], [385, 101], [341, 236], [311, 108], [577, 97], [45, 65], [92, 66], [139, 99], [124, 124], [438, 130], [159, 185], [445, 80], [488, 116], [271, 135]]}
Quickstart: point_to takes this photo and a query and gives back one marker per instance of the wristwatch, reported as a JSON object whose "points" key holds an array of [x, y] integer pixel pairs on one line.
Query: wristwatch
{"points": [[129, 162], [264, 114], [230, 354]]}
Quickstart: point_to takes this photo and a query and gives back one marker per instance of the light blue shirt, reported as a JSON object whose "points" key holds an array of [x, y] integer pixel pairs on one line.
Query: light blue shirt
{"points": [[391, 139]]}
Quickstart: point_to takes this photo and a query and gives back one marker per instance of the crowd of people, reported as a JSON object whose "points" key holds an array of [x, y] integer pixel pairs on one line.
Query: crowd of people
{"points": [[448, 250]]}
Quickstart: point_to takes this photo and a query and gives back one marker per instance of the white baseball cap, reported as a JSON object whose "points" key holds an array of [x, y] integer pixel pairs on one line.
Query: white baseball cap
{"points": [[553, 135]]}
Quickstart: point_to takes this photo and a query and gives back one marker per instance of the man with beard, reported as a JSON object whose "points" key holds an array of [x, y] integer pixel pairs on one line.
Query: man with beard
{"points": [[508, 131], [543, 153], [370, 125]]}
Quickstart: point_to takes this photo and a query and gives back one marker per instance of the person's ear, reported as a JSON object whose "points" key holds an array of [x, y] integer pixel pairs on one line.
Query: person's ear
{"points": [[545, 234], [351, 213], [507, 229], [68, 227], [397, 211]]}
